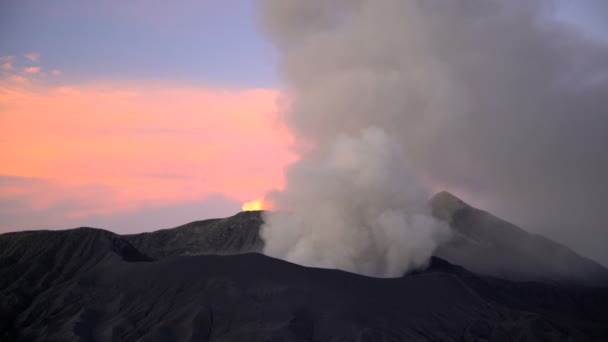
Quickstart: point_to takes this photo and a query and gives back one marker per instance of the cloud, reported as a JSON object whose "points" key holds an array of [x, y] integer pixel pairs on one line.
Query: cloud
{"points": [[23, 205], [30, 195], [55, 72], [7, 63], [33, 56], [31, 70], [150, 218], [7, 59], [147, 146], [18, 79]]}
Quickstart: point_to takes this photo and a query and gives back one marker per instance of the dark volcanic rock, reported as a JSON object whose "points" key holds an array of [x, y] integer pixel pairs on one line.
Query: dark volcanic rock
{"points": [[481, 243], [35, 261], [486, 244], [232, 235], [80, 286], [92, 285]]}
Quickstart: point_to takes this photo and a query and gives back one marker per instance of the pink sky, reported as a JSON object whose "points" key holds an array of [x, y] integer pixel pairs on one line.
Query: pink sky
{"points": [[106, 148]]}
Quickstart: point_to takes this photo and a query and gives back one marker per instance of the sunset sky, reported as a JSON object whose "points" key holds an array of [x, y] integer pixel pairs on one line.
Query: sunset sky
{"points": [[144, 114]]}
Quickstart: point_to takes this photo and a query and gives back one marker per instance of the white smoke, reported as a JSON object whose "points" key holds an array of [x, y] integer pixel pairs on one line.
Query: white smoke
{"points": [[353, 202], [357, 206], [494, 97]]}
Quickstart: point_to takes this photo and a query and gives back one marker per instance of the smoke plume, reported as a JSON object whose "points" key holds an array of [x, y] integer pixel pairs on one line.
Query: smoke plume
{"points": [[356, 206], [492, 98]]}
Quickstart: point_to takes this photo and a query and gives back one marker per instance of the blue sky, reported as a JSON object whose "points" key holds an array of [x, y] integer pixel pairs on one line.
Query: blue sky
{"points": [[213, 42], [204, 41]]}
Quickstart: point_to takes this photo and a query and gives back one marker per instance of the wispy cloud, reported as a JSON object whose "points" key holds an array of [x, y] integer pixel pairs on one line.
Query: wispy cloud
{"points": [[24, 204], [7, 62], [7, 59], [18, 79], [55, 72], [33, 56], [32, 70]]}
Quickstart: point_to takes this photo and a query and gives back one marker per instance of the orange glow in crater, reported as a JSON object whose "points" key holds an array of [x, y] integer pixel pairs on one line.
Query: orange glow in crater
{"points": [[258, 204]]}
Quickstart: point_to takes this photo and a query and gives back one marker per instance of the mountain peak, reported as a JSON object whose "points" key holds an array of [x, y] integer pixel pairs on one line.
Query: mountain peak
{"points": [[444, 205]]}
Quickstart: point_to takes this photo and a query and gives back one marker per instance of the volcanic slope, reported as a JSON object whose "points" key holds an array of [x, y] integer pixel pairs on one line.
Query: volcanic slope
{"points": [[484, 243], [89, 284], [481, 243], [232, 235]]}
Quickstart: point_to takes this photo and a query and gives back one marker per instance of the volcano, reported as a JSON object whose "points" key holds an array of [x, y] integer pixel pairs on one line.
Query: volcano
{"points": [[207, 281]]}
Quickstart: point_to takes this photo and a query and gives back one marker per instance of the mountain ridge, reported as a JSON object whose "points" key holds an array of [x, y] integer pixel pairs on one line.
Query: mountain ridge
{"points": [[95, 292], [487, 244], [201, 281], [481, 242]]}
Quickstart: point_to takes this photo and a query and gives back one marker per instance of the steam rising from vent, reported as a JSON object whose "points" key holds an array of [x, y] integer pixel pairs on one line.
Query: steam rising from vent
{"points": [[495, 97], [356, 206], [353, 201]]}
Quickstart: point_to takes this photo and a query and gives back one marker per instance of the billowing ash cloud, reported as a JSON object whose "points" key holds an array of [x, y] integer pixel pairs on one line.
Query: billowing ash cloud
{"points": [[355, 205], [490, 97], [353, 201]]}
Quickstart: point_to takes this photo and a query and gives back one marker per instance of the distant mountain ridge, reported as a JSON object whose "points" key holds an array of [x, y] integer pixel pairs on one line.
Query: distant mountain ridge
{"points": [[481, 243]]}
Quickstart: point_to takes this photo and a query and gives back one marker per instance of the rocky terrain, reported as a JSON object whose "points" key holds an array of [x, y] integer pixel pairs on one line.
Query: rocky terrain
{"points": [[232, 235], [485, 244], [481, 243], [93, 285]]}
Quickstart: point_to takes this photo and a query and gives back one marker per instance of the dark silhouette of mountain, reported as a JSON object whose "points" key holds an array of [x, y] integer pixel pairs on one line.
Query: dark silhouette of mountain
{"points": [[34, 262], [232, 235], [92, 285], [481, 243]]}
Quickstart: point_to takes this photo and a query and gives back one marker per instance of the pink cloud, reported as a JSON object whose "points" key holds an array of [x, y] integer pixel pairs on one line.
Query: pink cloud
{"points": [[7, 66], [32, 70], [7, 59], [33, 56], [18, 79], [145, 145]]}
